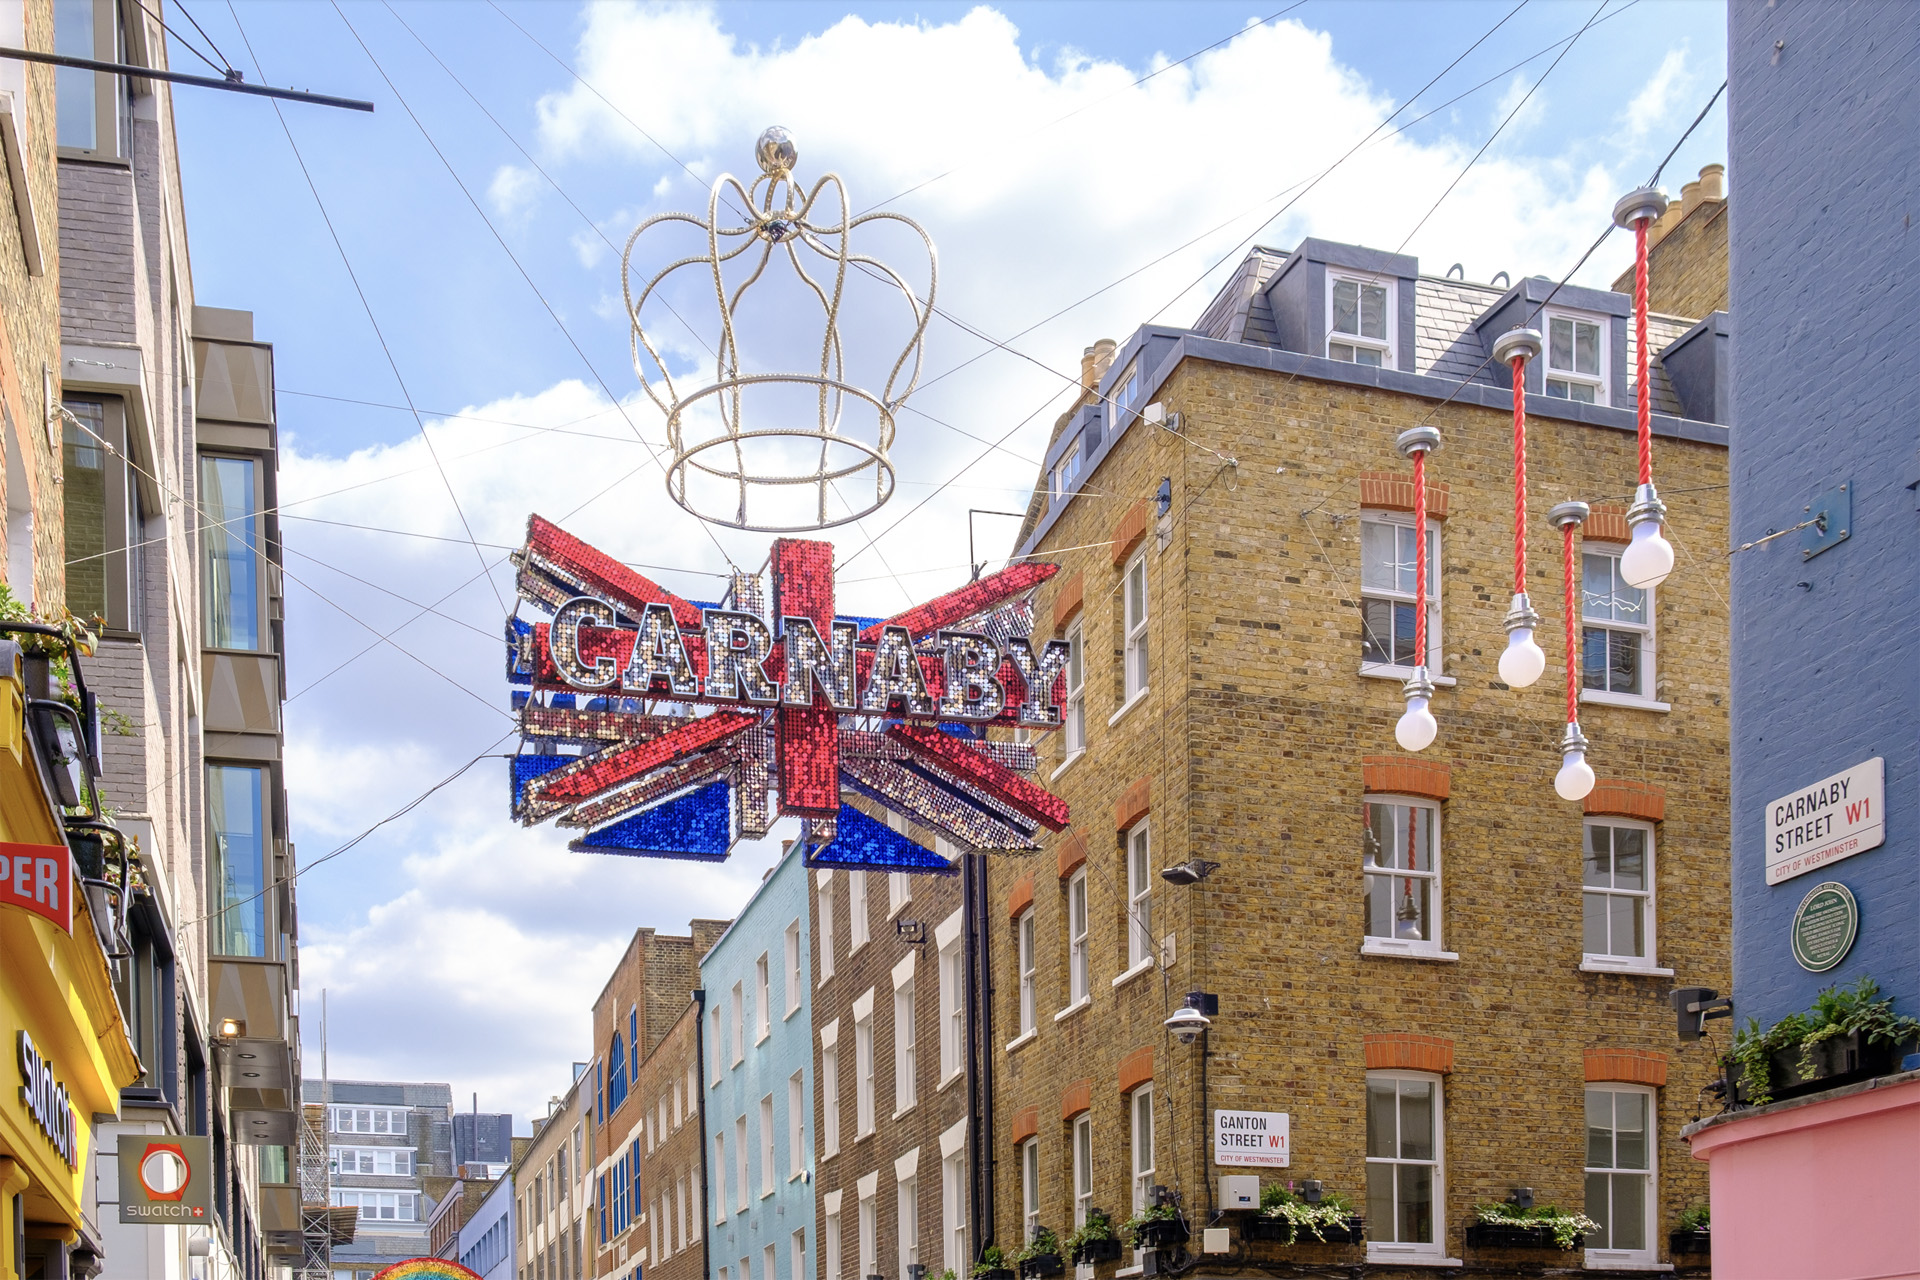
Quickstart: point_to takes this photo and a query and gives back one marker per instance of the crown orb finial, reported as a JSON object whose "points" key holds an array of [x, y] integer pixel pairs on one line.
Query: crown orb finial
{"points": [[775, 152]]}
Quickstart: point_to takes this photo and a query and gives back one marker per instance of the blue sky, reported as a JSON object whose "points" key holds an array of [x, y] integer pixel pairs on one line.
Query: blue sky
{"points": [[1065, 177]]}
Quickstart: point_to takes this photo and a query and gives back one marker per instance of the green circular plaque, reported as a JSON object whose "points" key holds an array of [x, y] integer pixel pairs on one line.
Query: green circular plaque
{"points": [[1824, 926]]}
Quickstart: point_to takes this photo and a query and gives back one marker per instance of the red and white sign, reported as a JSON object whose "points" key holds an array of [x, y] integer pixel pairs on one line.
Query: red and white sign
{"points": [[1831, 819], [1253, 1138], [38, 878]]}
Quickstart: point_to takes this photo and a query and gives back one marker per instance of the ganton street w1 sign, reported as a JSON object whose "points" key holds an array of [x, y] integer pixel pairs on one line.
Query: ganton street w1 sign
{"points": [[1252, 1138], [1826, 821]]}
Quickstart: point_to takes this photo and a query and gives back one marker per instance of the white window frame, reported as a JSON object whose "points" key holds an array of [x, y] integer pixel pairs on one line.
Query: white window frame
{"points": [[1141, 1111], [796, 1125], [830, 1100], [769, 1263], [830, 1243], [859, 927], [1079, 962], [763, 997], [1551, 373], [1074, 717], [1431, 947], [1125, 392], [826, 930], [1612, 961], [863, 1104], [899, 883], [906, 1053], [1137, 653], [907, 1222], [797, 1254], [349, 1119], [1648, 1255], [689, 1217], [1435, 549], [953, 1212], [1082, 1168], [1029, 974], [952, 1011], [1066, 469], [1645, 631], [1139, 895], [766, 1145], [1383, 1250], [740, 1159], [1389, 347], [869, 1235], [716, 1032], [1029, 1188], [739, 1024]]}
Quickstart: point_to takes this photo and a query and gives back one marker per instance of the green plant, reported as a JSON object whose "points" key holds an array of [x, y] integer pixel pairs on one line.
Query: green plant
{"points": [[1282, 1204], [948, 1275], [1837, 1011], [1695, 1218], [1565, 1226], [1098, 1226], [1044, 1241], [1153, 1213]]}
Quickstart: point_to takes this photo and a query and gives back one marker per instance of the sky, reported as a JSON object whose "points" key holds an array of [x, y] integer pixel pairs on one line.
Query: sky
{"points": [[441, 281]]}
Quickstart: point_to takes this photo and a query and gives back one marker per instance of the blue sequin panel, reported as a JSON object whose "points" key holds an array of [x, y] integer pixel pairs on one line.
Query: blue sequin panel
{"points": [[698, 826], [523, 769], [861, 842], [517, 671]]}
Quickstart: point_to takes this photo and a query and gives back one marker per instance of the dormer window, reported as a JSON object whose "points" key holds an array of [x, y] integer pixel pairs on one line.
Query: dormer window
{"points": [[1359, 330], [1067, 471], [1126, 392], [1576, 357]]}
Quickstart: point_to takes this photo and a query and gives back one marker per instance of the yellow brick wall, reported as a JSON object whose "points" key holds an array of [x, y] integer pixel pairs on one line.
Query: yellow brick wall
{"points": [[1687, 267], [1252, 737]]}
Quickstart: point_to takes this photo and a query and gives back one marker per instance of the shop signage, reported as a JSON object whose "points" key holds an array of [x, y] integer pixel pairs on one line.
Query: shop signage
{"points": [[1831, 819], [165, 1180], [47, 1102], [1824, 926], [38, 878], [1253, 1138]]}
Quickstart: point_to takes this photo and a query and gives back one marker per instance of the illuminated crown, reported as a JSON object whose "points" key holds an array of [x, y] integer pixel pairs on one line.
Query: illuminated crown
{"points": [[757, 446]]}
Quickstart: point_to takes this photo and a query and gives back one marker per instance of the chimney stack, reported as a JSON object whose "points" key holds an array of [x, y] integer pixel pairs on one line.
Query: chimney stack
{"points": [[1713, 182]]}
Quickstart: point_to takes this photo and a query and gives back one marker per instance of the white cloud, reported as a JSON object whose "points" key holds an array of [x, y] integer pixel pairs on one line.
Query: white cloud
{"points": [[514, 191], [487, 943], [1655, 101]]}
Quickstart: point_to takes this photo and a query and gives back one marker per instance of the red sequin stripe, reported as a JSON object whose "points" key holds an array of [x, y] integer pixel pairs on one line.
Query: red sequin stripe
{"points": [[596, 773], [926, 804], [975, 597], [809, 742], [624, 799], [597, 573], [956, 757]]}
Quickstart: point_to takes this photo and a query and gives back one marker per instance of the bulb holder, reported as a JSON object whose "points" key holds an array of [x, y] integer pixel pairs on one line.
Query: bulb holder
{"points": [[1526, 344], [1417, 728], [1566, 513], [1575, 779], [1521, 615], [1643, 202], [1646, 507], [1417, 440]]}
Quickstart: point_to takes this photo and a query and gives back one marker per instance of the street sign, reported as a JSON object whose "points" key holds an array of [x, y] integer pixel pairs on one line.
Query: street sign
{"points": [[165, 1180], [1831, 819], [1824, 926], [1252, 1138], [38, 878]]}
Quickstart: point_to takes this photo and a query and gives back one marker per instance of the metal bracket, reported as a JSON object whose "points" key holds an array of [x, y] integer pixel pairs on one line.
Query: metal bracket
{"points": [[1832, 515]]}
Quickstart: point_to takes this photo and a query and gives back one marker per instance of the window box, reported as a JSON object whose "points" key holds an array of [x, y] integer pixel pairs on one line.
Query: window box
{"points": [[1495, 1235], [1690, 1241], [1260, 1227], [994, 1273], [1041, 1265], [1840, 1060], [1092, 1251], [1160, 1233]]}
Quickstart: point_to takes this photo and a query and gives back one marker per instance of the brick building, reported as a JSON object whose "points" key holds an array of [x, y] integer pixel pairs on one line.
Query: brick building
{"points": [[1452, 982], [553, 1186], [644, 997], [672, 1165]]}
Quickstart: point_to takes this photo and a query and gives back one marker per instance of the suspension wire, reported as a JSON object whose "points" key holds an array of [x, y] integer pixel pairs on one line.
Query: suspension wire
{"points": [[367, 306], [560, 429], [453, 173], [187, 44], [188, 15]]}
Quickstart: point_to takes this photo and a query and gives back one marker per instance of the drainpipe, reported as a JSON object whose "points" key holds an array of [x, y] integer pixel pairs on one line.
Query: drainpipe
{"points": [[700, 1066]]}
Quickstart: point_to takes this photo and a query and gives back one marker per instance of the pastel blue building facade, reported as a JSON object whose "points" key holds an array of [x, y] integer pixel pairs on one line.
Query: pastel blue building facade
{"points": [[487, 1239], [758, 1064], [1824, 132]]}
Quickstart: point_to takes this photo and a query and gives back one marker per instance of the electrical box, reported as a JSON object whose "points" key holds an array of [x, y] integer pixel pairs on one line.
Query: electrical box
{"points": [[1239, 1191], [1214, 1240]]}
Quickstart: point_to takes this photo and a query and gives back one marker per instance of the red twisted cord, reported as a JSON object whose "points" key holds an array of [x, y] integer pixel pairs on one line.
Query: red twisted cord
{"points": [[1519, 475], [1644, 392], [1420, 558], [1573, 624]]}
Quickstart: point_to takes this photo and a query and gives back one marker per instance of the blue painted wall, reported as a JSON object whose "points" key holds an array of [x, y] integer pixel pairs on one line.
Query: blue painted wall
{"points": [[487, 1241], [1825, 193], [765, 1069]]}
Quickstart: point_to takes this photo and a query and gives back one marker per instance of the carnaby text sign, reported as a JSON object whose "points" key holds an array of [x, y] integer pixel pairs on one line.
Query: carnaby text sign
{"points": [[1825, 821], [1252, 1138]]}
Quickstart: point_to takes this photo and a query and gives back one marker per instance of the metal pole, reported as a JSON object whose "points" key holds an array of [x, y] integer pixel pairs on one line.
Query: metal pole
{"points": [[232, 85]]}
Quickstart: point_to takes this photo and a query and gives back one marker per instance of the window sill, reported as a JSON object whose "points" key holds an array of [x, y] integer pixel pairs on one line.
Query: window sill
{"points": [[1127, 706], [1613, 964], [906, 1110], [1066, 764], [766, 1034], [793, 1007], [1620, 1260], [1084, 1002], [1634, 701], [894, 911], [1026, 1037], [942, 1086], [1406, 950], [1383, 671], [795, 1175], [1145, 964], [857, 947], [862, 1137], [1408, 1258], [825, 978]]}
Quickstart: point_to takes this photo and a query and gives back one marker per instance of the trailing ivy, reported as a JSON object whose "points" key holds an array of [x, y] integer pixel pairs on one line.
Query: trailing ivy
{"points": [[1837, 1011]]}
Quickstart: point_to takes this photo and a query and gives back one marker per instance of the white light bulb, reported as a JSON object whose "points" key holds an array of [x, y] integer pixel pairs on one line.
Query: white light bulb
{"points": [[1523, 662], [1648, 558], [1575, 778], [1417, 727]]}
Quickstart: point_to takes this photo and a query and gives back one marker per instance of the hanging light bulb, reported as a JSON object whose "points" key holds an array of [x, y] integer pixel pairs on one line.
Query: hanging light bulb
{"points": [[1648, 558], [1575, 778], [1417, 727], [1523, 662]]}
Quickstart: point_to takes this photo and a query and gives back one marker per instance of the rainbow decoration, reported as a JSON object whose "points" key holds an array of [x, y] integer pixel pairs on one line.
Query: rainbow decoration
{"points": [[425, 1269]]}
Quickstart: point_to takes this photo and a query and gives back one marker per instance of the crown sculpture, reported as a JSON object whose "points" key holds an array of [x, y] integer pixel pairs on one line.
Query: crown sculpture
{"points": [[762, 448], [664, 727]]}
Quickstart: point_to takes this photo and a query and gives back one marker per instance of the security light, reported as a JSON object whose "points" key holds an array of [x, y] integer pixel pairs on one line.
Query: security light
{"points": [[1187, 1024], [232, 1028], [1190, 872]]}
